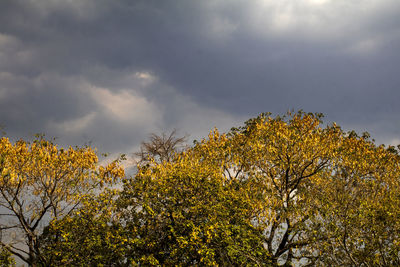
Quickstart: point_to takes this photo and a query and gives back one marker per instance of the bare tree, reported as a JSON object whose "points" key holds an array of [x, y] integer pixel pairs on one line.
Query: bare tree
{"points": [[160, 147]]}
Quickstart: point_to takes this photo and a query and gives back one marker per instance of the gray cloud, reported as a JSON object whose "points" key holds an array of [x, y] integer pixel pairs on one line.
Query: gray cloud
{"points": [[112, 71]]}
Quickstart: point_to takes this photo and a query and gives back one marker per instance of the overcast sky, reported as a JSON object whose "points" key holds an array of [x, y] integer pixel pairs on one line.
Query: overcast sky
{"points": [[110, 72]]}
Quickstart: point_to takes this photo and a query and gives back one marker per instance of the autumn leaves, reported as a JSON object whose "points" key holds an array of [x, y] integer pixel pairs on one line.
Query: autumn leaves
{"points": [[277, 190]]}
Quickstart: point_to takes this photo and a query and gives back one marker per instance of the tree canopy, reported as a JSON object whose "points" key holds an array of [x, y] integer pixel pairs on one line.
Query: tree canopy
{"points": [[40, 182], [285, 190]]}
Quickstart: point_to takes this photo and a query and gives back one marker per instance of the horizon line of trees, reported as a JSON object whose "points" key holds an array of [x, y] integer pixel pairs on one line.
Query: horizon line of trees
{"points": [[282, 190]]}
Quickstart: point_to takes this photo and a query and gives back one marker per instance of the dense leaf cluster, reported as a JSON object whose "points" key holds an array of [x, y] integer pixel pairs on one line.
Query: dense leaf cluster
{"points": [[276, 191]]}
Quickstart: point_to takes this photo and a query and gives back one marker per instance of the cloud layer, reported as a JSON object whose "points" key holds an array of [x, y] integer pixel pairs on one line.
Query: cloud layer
{"points": [[110, 72]]}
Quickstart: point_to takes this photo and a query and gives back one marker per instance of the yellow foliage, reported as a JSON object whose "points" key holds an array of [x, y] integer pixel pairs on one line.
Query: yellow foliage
{"points": [[40, 181], [306, 187]]}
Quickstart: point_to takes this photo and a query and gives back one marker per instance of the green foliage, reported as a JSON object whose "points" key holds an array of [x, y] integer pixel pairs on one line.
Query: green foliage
{"points": [[88, 237], [6, 259], [185, 212]]}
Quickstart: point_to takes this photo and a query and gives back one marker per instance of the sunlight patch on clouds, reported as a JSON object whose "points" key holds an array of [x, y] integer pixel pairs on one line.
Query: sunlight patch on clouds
{"points": [[124, 105], [316, 19], [144, 75], [282, 21], [318, 2], [145, 78], [75, 125], [309, 17], [372, 45], [365, 47]]}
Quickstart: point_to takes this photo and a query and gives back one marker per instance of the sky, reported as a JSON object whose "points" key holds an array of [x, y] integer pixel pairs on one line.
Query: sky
{"points": [[110, 72]]}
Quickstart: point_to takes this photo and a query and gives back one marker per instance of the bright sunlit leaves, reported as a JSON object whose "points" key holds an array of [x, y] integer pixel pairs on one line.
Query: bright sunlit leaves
{"points": [[40, 181], [277, 190]]}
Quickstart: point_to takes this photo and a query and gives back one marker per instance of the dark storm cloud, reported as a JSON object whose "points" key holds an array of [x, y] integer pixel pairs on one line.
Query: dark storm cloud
{"points": [[194, 65]]}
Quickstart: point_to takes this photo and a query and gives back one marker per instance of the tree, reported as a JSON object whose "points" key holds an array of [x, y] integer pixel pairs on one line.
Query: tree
{"points": [[328, 196], [278, 190], [160, 148], [40, 182], [96, 228], [360, 204], [181, 212], [90, 236]]}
